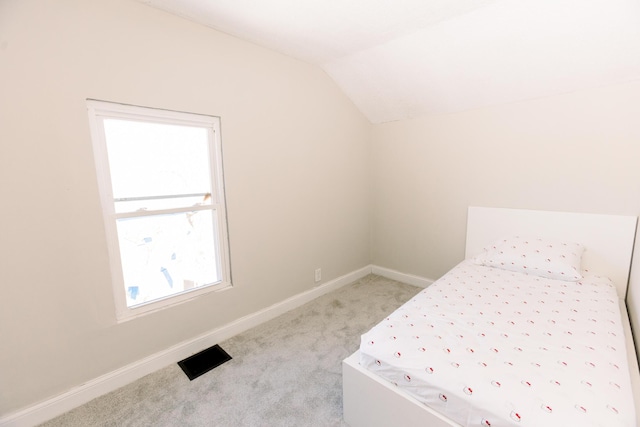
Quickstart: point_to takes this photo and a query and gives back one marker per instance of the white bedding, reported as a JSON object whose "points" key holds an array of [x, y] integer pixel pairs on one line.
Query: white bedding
{"points": [[485, 346]]}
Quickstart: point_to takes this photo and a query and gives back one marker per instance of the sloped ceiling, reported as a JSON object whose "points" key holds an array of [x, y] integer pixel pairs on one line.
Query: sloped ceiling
{"points": [[401, 59]]}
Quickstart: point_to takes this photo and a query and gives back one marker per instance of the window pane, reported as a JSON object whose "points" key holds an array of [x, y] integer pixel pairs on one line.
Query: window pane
{"points": [[155, 159], [164, 255]]}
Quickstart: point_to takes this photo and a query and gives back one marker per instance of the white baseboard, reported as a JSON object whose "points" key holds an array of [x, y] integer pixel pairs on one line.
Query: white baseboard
{"points": [[111, 381], [409, 279]]}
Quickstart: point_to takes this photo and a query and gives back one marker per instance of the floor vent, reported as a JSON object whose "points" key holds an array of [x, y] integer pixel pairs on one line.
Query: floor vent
{"points": [[203, 362]]}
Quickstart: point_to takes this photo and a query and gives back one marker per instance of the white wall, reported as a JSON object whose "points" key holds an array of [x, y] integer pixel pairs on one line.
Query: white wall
{"points": [[575, 152], [296, 180]]}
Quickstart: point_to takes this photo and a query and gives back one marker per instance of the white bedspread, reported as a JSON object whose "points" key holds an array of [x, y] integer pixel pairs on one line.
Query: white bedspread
{"points": [[485, 346]]}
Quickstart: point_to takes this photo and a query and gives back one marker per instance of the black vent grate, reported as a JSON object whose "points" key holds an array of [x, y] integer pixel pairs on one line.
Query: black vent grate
{"points": [[203, 362]]}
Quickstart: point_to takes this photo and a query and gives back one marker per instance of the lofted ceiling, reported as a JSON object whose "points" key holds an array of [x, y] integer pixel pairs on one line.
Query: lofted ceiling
{"points": [[402, 59]]}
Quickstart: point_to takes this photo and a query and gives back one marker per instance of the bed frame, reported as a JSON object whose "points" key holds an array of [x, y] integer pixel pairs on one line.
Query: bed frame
{"points": [[371, 401]]}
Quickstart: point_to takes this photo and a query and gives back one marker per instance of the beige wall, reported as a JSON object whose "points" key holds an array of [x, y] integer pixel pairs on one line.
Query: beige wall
{"points": [[296, 179], [576, 152]]}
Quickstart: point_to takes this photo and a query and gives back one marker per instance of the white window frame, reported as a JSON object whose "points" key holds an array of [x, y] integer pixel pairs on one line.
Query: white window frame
{"points": [[100, 110]]}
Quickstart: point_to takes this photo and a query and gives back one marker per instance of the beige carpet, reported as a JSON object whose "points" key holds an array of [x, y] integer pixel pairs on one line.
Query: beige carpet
{"points": [[286, 372]]}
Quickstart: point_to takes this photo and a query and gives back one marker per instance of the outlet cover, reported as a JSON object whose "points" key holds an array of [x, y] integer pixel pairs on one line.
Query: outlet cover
{"points": [[318, 274]]}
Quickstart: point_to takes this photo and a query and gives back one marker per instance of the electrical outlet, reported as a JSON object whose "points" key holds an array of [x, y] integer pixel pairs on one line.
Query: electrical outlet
{"points": [[318, 274]]}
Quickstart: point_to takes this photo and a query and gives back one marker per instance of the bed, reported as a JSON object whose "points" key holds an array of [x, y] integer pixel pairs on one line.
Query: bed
{"points": [[493, 345]]}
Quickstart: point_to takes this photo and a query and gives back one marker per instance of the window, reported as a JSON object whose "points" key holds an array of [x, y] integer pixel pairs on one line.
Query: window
{"points": [[161, 186]]}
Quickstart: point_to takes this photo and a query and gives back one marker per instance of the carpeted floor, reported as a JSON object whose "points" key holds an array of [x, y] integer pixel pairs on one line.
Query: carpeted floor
{"points": [[286, 372]]}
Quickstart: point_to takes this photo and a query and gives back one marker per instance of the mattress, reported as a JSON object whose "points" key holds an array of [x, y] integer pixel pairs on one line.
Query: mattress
{"points": [[485, 346]]}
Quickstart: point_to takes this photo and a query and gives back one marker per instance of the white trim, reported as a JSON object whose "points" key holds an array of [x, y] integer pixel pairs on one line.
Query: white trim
{"points": [[409, 279], [82, 394], [128, 111]]}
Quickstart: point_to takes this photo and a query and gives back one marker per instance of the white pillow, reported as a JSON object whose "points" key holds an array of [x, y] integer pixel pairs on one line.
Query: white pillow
{"points": [[545, 258]]}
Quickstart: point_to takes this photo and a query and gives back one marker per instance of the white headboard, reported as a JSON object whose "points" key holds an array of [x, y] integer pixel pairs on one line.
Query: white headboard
{"points": [[608, 239]]}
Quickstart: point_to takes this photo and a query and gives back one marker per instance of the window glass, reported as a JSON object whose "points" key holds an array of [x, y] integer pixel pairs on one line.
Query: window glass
{"points": [[164, 255], [153, 159]]}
